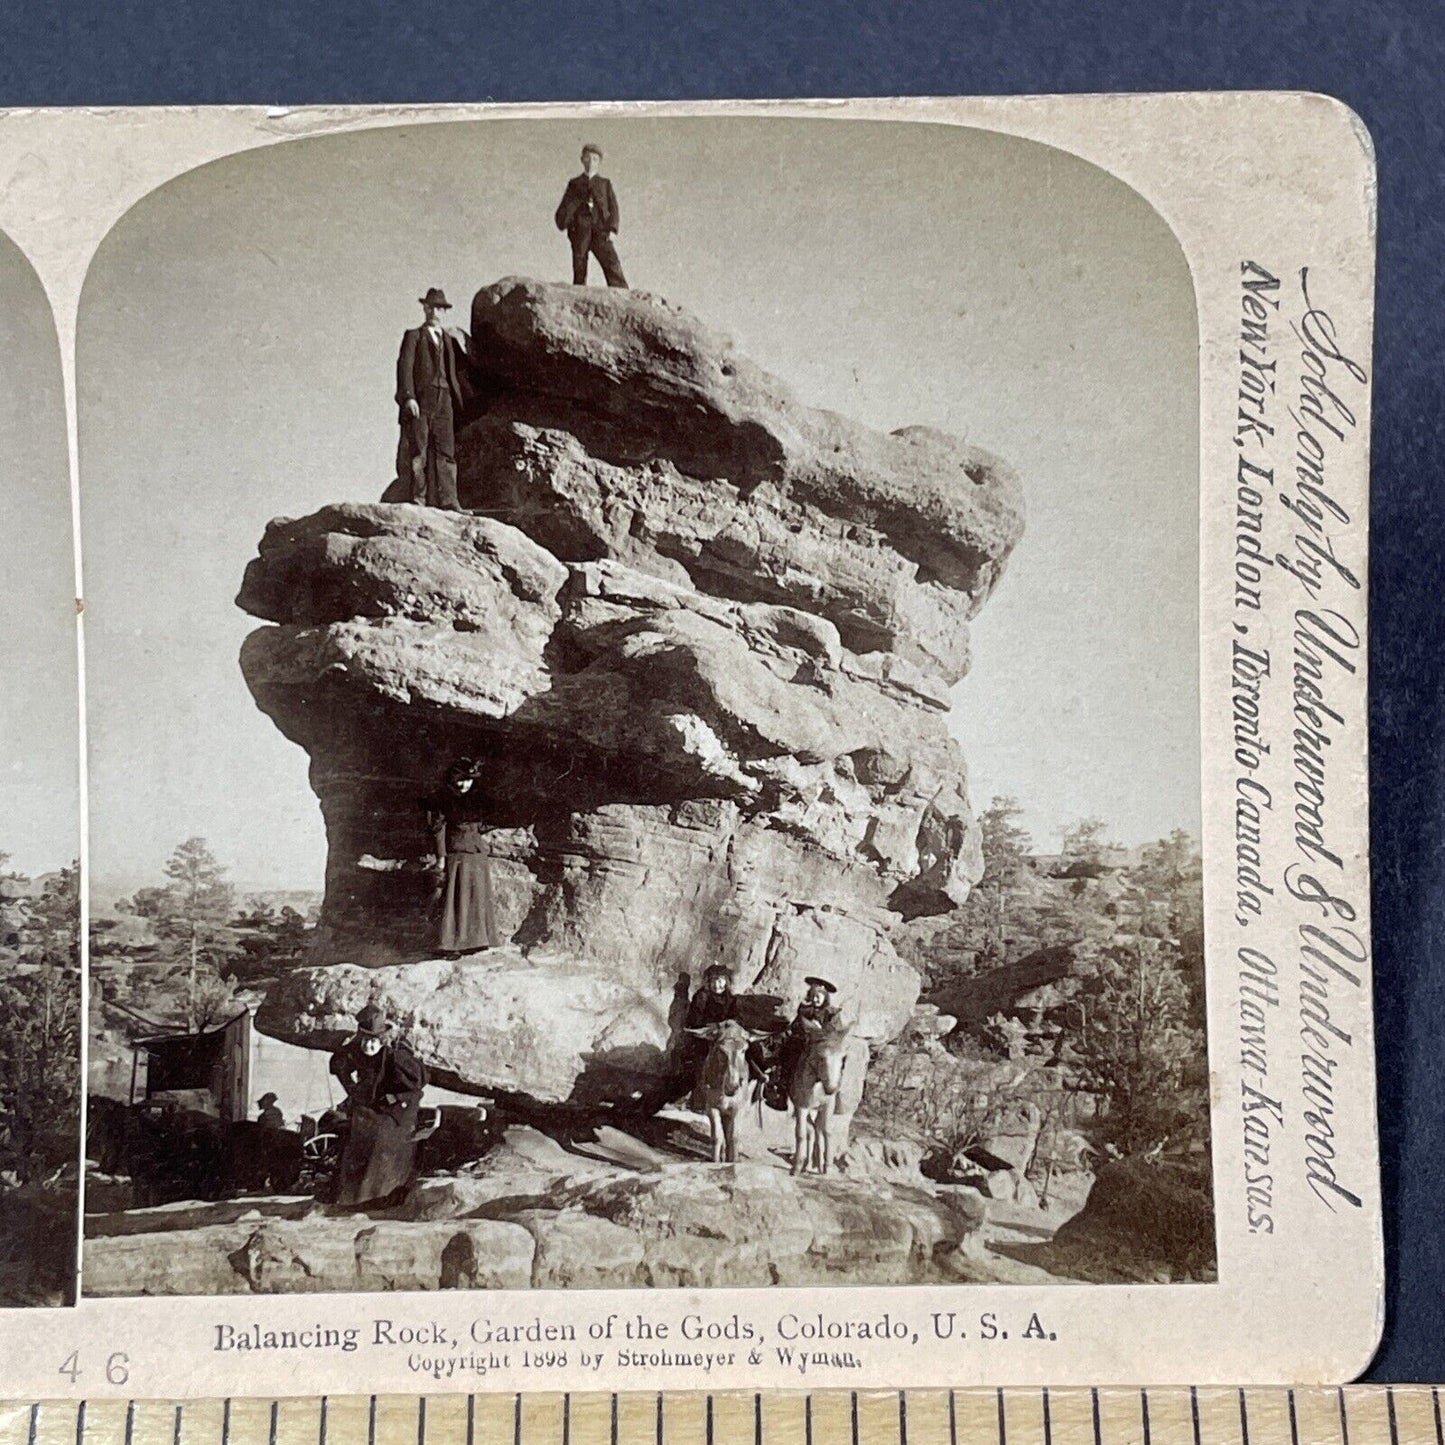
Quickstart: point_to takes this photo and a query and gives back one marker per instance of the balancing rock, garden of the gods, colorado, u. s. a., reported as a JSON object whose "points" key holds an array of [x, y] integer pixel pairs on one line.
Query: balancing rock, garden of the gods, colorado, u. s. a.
{"points": [[702, 638]]}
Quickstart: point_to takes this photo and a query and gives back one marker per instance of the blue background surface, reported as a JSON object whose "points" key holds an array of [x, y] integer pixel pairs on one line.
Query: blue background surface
{"points": [[1386, 59]]}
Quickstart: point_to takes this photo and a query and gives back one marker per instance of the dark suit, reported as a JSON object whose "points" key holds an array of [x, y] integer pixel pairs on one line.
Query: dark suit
{"points": [[428, 373], [590, 217]]}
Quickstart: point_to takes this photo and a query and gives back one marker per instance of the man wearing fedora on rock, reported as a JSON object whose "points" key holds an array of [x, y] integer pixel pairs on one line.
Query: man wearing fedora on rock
{"points": [[589, 216], [428, 397]]}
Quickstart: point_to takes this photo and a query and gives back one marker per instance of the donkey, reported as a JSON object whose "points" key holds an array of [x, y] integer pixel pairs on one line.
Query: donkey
{"points": [[827, 1085], [725, 1084]]}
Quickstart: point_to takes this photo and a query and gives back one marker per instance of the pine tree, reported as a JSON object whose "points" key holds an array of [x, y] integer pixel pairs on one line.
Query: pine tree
{"points": [[1169, 874], [1006, 850], [192, 915], [1136, 1045], [1085, 841]]}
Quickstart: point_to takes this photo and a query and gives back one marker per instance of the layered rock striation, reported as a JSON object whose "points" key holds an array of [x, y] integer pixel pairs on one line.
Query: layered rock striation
{"points": [[702, 637]]}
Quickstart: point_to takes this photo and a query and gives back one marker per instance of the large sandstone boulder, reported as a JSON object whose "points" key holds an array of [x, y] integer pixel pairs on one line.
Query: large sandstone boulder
{"points": [[702, 638], [648, 388]]}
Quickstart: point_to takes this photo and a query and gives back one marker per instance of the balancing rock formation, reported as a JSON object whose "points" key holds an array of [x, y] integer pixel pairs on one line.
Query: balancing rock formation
{"points": [[702, 637]]}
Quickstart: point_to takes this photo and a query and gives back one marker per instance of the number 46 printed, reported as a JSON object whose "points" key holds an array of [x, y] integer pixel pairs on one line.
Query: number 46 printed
{"points": [[117, 1367]]}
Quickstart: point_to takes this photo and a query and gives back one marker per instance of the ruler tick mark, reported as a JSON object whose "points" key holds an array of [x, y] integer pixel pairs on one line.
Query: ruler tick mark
{"points": [[706, 1427]]}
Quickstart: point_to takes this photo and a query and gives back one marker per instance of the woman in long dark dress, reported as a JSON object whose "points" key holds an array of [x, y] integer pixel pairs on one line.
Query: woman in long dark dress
{"points": [[456, 815], [384, 1081]]}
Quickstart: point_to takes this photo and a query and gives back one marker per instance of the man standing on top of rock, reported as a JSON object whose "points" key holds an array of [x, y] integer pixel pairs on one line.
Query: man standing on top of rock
{"points": [[429, 395], [589, 216]]}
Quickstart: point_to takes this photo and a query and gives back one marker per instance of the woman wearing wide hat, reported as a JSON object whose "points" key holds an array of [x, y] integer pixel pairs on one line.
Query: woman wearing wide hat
{"points": [[816, 1013], [384, 1082], [714, 1001], [468, 920]]}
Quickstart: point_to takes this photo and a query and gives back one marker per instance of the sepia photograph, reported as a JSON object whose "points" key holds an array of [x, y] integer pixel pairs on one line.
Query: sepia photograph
{"points": [[644, 686], [40, 974]]}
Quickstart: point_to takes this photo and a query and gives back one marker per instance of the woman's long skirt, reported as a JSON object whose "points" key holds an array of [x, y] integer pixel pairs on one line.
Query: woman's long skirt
{"points": [[469, 920], [379, 1158]]}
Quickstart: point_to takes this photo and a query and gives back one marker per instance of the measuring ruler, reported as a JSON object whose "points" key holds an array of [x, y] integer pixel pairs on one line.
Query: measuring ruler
{"points": [[1308, 1415]]}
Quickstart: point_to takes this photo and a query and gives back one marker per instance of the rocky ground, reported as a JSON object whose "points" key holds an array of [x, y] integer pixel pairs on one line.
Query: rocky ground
{"points": [[622, 1208]]}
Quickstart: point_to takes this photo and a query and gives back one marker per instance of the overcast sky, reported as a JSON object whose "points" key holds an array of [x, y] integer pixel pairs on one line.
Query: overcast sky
{"points": [[39, 746], [238, 335]]}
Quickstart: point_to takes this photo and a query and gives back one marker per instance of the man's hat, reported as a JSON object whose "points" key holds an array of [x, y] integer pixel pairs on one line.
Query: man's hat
{"points": [[371, 1020], [435, 296], [590, 149], [266, 1099], [813, 981], [717, 970]]}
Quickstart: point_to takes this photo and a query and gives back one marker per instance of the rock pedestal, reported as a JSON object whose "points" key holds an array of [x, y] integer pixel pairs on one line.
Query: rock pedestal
{"points": [[702, 639]]}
